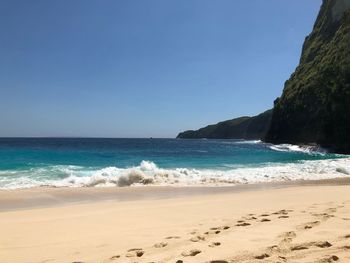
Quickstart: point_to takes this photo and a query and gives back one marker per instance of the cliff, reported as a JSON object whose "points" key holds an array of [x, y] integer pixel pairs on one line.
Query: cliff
{"points": [[250, 128], [315, 103]]}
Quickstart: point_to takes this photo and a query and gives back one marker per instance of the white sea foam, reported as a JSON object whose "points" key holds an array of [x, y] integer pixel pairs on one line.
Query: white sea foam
{"points": [[298, 148], [241, 142], [310, 149], [248, 142], [148, 173]]}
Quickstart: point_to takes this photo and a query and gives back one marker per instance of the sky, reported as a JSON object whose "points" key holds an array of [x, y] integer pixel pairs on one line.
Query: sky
{"points": [[143, 68]]}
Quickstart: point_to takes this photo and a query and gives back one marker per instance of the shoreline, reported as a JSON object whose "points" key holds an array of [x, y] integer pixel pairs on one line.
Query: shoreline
{"points": [[45, 197]]}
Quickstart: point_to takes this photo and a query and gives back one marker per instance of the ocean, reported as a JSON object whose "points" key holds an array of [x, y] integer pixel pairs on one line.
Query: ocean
{"points": [[89, 162]]}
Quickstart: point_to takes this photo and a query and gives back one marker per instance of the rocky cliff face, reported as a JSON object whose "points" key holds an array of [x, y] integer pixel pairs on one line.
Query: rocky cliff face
{"points": [[249, 128], [315, 104]]}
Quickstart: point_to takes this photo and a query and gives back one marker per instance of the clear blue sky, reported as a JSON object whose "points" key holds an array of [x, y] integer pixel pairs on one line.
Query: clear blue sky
{"points": [[129, 68]]}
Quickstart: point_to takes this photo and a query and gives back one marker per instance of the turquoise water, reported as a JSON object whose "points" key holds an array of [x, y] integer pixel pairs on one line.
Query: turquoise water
{"points": [[121, 162]]}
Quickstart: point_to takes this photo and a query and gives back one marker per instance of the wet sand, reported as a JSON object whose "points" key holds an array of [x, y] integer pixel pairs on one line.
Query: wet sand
{"points": [[48, 196]]}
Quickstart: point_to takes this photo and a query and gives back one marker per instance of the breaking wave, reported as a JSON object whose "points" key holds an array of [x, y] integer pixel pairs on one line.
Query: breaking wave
{"points": [[148, 173], [249, 142], [298, 148]]}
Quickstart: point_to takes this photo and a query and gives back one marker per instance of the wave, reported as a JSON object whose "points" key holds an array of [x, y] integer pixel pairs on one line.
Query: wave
{"points": [[148, 173], [235, 141], [249, 142], [309, 149], [298, 148]]}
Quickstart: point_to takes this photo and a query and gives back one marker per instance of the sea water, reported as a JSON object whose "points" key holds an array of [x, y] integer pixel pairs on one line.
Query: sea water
{"points": [[77, 162]]}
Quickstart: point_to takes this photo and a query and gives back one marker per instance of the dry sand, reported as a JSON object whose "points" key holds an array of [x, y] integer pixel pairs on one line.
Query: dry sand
{"points": [[289, 224]]}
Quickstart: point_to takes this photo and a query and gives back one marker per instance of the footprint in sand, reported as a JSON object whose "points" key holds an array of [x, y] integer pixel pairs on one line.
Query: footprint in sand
{"points": [[282, 257], [265, 220], [160, 245], [264, 215], [173, 237], [243, 224], [289, 234], [299, 247], [135, 252], [263, 256], [282, 217], [309, 225], [212, 232], [274, 248], [320, 244], [331, 210], [322, 216], [287, 237], [191, 253], [197, 238], [281, 212], [215, 229], [329, 259], [215, 244], [114, 257], [218, 261]]}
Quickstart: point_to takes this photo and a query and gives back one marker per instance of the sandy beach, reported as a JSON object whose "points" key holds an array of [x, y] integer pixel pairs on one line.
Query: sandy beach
{"points": [[175, 131], [294, 223]]}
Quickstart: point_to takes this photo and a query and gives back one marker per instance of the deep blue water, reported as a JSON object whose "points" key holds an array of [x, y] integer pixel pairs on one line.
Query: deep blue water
{"points": [[27, 162]]}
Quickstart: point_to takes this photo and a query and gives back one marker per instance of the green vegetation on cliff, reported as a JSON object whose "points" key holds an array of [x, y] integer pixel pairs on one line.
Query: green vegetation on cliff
{"points": [[249, 128], [315, 104]]}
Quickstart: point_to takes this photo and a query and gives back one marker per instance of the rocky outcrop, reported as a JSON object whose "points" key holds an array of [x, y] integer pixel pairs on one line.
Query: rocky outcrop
{"points": [[315, 104]]}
